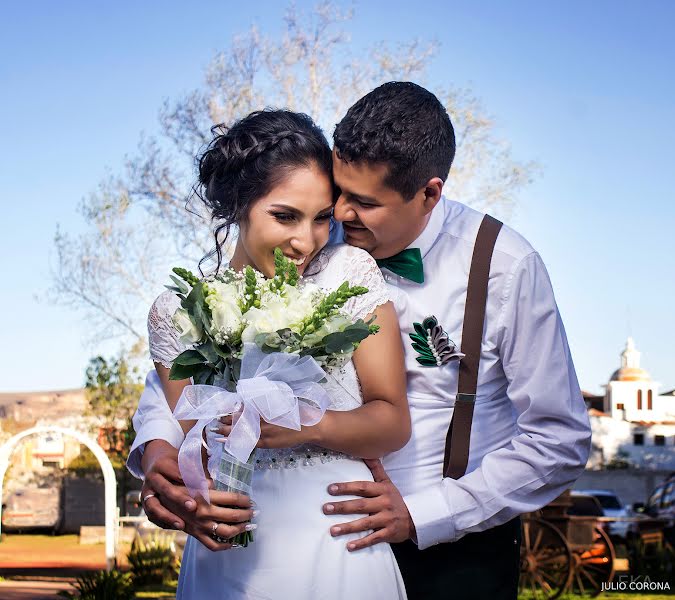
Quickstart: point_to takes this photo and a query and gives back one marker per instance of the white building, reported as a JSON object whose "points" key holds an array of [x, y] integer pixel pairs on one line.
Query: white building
{"points": [[636, 425]]}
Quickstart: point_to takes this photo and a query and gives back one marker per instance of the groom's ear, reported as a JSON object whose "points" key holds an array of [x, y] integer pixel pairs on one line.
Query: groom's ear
{"points": [[433, 190]]}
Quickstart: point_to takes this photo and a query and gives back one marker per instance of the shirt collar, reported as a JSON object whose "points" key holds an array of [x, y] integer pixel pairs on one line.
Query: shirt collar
{"points": [[430, 233]]}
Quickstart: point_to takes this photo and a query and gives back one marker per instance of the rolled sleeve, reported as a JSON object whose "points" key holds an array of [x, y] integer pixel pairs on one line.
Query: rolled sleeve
{"points": [[153, 420]]}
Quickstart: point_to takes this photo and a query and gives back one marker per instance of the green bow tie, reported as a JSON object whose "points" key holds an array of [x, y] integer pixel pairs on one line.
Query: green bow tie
{"points": [[407, 263]]}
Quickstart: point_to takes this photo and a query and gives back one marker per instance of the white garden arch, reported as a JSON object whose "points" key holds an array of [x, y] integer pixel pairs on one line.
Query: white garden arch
{"points": [[108, 478]]}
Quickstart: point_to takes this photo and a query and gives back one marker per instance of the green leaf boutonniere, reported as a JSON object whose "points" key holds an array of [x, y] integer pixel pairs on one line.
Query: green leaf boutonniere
{"points": [[433, 344]]}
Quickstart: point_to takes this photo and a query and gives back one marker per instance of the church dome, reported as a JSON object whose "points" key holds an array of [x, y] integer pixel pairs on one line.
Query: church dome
{"points": [[630, 374], [630, 365]]}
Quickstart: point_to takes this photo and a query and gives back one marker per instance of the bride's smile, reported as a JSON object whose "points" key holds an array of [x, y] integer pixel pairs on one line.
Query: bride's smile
{"points": [[294, 216]]}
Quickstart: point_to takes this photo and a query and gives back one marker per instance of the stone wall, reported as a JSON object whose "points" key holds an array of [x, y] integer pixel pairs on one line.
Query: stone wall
{"points": [[630, 485]]}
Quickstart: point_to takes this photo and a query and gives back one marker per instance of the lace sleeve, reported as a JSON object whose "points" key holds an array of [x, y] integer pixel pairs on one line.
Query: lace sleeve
{"points": [[162, 335], [363, 270]]}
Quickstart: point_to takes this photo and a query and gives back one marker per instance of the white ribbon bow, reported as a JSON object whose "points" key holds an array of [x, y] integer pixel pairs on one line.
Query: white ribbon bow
{"points": [[280, 388]]}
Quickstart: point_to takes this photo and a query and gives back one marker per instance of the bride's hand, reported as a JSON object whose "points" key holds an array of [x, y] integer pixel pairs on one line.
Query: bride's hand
{"points": [[273, 436]]}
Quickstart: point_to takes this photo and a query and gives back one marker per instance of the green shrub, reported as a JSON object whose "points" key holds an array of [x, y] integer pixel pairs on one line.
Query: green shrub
{"points": [[153, 561], [102, 585]]}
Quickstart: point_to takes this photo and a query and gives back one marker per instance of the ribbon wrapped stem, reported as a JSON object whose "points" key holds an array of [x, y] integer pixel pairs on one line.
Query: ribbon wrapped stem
{"points": [[282, 389]]}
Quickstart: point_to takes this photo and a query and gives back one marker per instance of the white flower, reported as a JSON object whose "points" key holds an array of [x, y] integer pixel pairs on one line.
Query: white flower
{"points": [[226, 318], [265, 320], [188, 331], [300, 302]]}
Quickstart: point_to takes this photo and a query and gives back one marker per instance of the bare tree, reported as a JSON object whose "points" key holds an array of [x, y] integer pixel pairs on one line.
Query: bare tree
{"points": [[137, 222]]}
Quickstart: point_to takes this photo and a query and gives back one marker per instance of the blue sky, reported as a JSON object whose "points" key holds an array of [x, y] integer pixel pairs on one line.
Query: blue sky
{"points": [[584, 88]]}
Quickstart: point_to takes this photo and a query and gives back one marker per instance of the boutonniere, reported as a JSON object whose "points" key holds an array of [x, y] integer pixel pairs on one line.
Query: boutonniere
{"points": [[434, 346]]}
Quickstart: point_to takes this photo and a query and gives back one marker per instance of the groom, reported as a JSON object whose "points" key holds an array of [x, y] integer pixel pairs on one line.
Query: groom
{"points": [[453, 536]]}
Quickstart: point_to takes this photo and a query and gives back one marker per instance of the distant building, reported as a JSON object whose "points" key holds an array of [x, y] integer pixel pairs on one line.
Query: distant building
{"points": [[67, 408], [635, 425]]}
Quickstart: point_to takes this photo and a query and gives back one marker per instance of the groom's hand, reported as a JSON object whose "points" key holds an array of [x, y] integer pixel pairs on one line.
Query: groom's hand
{"points": [[388, 515], [170, 506]]}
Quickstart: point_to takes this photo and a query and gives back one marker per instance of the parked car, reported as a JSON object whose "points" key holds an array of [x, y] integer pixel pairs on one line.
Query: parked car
{"points": [[613, 507], [661, 502]]}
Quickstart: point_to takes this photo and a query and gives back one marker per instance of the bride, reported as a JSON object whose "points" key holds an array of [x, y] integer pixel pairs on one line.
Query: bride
{"points": [[270, 175]]}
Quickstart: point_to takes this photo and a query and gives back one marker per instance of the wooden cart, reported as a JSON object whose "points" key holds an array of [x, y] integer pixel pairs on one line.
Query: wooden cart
{"points": [[561, 552]]}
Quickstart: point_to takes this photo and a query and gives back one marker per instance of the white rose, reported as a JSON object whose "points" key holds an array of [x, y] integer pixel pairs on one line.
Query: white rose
{"points": [[265, 320], [223, 292], [188, 331], [300, 302], [226, 316]]}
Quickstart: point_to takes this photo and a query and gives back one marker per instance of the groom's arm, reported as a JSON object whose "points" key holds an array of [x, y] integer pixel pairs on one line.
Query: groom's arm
{"points": [[153, 420], [554, 435], [544, 459]]}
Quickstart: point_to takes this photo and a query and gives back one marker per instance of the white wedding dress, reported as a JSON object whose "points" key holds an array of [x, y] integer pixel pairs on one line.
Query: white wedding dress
{"points": [[294, 556]]}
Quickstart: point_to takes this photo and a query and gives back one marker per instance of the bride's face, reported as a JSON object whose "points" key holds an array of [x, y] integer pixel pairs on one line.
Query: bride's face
{"points": [[294, 216]]}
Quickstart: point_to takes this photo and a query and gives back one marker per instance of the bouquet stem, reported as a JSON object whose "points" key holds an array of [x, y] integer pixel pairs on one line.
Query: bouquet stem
{"points": [[236, 476]]}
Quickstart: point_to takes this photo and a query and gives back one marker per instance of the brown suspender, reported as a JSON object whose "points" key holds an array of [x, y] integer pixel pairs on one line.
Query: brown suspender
{"points": [[459, 432]]}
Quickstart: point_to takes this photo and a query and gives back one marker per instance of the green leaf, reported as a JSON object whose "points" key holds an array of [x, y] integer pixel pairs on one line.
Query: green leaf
{"points": [[418, 338], [208, 351], [235, 365], [420, 330], [315, 351], [189, 357], [195, 304], [182, 288], [426, 362], [179, 372], [204, 376], [424, 350], [224, 352]]}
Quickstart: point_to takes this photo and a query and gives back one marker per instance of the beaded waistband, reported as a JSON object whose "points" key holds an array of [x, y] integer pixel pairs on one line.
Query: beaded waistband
{"points": [[290, 458]]}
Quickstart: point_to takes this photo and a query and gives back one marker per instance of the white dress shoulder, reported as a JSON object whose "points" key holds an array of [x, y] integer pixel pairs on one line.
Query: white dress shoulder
{"points": [[294, 555]]}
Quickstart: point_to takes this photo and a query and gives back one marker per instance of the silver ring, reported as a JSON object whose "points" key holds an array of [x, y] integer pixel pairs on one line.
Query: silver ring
{"points": [[146, 498], [215, 536]]}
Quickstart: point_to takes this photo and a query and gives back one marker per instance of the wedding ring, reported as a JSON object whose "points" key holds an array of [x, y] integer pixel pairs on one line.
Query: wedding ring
{"points": [[146, 498], [215, 536]]}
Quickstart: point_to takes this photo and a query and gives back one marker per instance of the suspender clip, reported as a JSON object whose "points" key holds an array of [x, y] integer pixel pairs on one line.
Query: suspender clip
{"points": [[471, 398]]}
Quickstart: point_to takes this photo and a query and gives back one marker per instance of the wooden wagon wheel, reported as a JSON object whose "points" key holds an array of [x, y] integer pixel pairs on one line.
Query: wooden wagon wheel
{"points": [[545, 560], [593, 566]]}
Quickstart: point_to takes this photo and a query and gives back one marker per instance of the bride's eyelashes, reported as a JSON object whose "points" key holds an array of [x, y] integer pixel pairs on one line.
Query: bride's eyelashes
{"points": [[284, 217]]}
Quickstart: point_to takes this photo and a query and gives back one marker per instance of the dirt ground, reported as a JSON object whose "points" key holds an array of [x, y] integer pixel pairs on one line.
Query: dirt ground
{"points": [[52, 552]]}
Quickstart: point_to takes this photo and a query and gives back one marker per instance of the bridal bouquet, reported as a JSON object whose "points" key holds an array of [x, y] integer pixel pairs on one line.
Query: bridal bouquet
{"points": [[257, 349]]}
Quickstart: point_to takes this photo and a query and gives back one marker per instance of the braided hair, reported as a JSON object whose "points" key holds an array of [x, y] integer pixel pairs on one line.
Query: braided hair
{"points": [[245, 161]]}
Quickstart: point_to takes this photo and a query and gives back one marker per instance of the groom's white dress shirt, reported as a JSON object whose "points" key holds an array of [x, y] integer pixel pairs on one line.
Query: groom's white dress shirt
{"points": [[530, 437]]}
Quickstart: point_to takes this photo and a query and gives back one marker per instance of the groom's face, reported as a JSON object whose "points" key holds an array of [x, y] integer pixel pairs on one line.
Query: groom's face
{"points": [[374, 216]]}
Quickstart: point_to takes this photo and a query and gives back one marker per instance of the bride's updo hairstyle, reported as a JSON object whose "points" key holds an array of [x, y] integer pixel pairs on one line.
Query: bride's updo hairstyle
{"points": [[246, 161]]}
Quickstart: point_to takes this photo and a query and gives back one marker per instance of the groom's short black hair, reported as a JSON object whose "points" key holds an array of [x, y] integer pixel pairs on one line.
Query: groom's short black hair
{"points": [[403, 125]]}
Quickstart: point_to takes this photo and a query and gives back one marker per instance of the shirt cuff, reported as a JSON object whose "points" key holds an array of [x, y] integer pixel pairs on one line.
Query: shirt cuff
{"points": [[431, 516], [152, 430]]}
